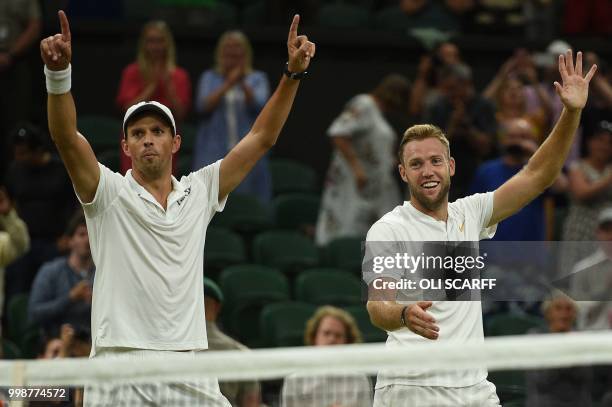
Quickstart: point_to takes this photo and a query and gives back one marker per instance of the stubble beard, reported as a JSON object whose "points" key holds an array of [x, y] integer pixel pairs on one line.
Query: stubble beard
{"points": [[429, 203]]}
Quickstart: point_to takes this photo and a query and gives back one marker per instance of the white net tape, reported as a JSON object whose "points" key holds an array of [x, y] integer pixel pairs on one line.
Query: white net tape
{"points": [[499, 353]]}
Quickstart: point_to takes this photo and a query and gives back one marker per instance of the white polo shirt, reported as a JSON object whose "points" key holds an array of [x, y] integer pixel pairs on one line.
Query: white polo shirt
{"points": [[148, 290], [458, 320]]}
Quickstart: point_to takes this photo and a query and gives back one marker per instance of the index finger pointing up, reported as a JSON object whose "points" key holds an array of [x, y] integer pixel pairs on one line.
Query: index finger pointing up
{"points": [[65, 26], [293, 28]]}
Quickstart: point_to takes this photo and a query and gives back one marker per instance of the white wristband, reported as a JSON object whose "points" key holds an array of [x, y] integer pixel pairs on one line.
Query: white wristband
{"points": [[58, 82]]}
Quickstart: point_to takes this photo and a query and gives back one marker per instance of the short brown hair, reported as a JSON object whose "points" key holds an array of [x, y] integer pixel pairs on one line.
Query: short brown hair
{"points": [[353, 335], [421, 132], [393, 91], [77, 219]]}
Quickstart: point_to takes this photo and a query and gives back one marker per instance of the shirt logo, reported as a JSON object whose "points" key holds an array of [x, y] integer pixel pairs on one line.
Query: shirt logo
{"points": [[461, 227], [181, 199]]}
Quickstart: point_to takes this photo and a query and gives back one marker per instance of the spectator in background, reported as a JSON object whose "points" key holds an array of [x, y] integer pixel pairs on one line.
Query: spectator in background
{"points": [[564, 387], [519, 141], [359, 185], [229, 98], [590, 190], [590, 280], [239, 394], [155, 76], [599, 107], [546, 63], [468, 121], [70, 343], [426, 87], [328, 326], [63, 287], [44, 199], [508, 90], [14, 240], [516, 267], [20, 26]]}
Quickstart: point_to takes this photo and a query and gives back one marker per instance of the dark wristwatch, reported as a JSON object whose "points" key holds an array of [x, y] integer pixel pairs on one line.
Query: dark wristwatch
{"points": [[294, 75]]}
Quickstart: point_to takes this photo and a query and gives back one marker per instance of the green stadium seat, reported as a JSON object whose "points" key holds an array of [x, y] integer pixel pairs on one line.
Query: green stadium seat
{"points": [[292, 176], [296, 211], [9, 349], [328, 286], [223, 248], [511, 324], [288, 251], [102, 132], [344, 253], [434, 17], [17, 317], [341, 15], [369, 332], [30, 343], [247, 289], [243, 213], [284, 323]]}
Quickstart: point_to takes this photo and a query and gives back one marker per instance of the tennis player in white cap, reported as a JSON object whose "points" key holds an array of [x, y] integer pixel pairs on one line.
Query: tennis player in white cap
{"points": [[147, 229]]}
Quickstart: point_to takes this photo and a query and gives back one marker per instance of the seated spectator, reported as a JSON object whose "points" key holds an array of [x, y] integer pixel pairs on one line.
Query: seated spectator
{"points": [[590, 279], [44, 199], [62, 289], [70, 343], [229, 98], [155, 76], [14, 238], [328, 326], [590, 190], [239, 394], [565, 387], [468, 121], [359, 185]]}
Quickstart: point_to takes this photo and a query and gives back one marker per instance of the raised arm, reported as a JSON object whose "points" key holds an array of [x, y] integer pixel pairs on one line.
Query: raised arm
{"points": [[544, 166], [266, 129], [76, 153]]}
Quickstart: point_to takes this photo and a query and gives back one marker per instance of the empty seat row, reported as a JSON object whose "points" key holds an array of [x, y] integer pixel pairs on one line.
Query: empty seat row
{"points": [[286, 250], [250, 289]]}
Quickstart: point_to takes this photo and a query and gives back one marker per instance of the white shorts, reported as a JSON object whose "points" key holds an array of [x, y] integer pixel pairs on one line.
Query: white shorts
{"points": [[199, 392], [398, 395]]}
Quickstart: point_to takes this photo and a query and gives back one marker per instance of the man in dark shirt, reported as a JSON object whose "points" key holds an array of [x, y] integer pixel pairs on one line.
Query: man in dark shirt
{"points": [[62, 289]]}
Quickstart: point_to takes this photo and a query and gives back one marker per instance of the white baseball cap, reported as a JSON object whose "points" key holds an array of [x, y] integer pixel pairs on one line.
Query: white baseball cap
{"points": [[149, 106], [550, 57]]}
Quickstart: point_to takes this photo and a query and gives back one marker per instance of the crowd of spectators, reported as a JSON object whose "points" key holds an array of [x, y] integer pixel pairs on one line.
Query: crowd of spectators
{"points": [[493, 132]]}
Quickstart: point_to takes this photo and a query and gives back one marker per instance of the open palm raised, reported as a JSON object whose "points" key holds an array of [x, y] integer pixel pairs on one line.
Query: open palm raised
{"points": [[575, 88]]}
